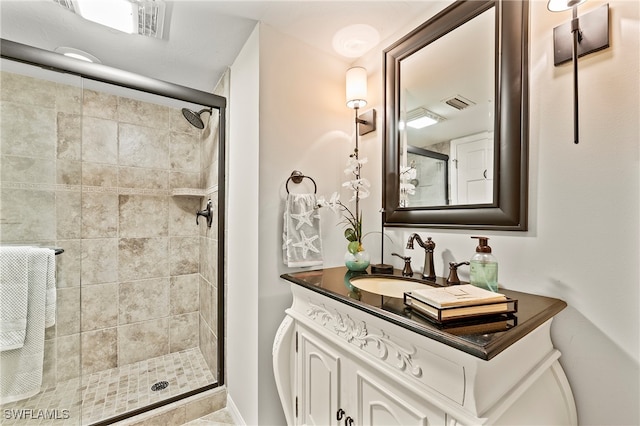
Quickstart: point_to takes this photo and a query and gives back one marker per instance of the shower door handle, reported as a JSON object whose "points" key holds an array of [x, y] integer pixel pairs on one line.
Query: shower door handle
{"points": [[207, 212]]}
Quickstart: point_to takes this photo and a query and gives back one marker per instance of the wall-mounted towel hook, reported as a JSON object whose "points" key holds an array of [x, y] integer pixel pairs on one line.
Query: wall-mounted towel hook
{"points": [[207, 212], [296, 177]]}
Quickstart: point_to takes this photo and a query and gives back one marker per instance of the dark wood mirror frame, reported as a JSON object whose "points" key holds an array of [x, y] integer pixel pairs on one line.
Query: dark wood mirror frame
{"points": [[509, 209]]}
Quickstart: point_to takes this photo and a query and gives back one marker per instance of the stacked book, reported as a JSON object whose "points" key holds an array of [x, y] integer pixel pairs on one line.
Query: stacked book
{"points": [[458, 302]]}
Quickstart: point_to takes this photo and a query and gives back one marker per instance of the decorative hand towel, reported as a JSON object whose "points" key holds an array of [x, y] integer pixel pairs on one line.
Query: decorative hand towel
{"points": [[14, 288], [301, 245], [22, 368]]}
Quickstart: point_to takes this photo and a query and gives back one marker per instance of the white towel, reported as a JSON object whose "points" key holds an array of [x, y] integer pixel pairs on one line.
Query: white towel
{"points": [[301, 242], [14, 289], [22, 368]]}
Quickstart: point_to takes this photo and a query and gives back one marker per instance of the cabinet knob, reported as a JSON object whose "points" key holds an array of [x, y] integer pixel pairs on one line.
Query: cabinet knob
{"points": [[340, 414], [348, 421]]}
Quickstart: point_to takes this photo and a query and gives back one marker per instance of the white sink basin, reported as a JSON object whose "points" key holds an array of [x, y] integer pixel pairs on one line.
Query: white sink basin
{"points": [[387, 286]]}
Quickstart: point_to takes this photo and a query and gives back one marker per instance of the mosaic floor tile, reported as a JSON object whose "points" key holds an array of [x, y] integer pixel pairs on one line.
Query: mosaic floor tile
{"points": [[112, 392]]}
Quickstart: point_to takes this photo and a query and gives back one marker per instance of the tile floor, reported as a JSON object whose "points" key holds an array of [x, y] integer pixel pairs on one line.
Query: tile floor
{"points": [[218, 418], [111, 392]]}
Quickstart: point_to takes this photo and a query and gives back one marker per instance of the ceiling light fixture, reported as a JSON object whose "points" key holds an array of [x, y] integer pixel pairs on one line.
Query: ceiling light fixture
{"points": [[77, 54], [420, 118], [131, 17], [355, 40], [116, 14]]}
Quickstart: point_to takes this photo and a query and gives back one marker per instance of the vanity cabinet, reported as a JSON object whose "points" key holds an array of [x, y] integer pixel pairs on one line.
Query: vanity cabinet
{"points": [[344, 361]]}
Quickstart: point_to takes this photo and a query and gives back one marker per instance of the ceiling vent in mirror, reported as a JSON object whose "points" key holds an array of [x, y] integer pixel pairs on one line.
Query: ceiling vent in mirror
{"points": [[133, 17], [458, 102]]}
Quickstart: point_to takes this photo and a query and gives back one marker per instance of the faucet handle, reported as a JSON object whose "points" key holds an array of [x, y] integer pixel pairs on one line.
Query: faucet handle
{"points": [[429, 244], [453, 273], [407, 271], [207, 213]]}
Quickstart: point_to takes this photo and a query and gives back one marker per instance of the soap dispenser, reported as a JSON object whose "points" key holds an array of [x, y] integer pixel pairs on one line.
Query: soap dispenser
{"points": [[483, 268]]}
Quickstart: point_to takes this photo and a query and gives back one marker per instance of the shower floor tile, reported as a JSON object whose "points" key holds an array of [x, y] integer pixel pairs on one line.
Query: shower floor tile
{"points": [[108, 393]]}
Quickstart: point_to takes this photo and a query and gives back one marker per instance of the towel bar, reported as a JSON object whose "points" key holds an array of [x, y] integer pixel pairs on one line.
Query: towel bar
{"points": [[56, 250], [296, 177]]}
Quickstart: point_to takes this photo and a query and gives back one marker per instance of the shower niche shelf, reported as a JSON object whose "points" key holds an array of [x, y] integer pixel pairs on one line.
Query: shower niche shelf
{"points": [[188, 192]]}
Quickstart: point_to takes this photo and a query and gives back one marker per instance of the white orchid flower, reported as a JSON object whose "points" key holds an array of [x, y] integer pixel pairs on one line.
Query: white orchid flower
{"points": [[333, 203], [408, 188], [408, 173], [360, 188], [354, 165], [364, 192], [335, 197]]}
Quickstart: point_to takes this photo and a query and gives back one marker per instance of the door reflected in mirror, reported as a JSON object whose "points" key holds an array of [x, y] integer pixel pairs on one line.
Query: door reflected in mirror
{"points": [[447, 104]]}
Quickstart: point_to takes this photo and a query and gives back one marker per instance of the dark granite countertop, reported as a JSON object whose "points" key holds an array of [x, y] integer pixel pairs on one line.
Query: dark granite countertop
{"points": [[481, 338]]}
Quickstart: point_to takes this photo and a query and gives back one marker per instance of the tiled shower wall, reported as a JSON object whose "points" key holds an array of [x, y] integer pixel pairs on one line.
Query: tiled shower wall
{"points": [[93, 173]]}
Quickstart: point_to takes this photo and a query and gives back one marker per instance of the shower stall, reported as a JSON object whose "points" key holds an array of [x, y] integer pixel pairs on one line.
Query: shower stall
{"points": [[110, 168]]}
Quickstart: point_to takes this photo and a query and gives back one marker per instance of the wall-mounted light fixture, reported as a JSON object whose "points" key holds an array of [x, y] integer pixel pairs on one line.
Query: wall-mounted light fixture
{"points": [[365, 123], [590, 34], [357, 98], [420, 118]]}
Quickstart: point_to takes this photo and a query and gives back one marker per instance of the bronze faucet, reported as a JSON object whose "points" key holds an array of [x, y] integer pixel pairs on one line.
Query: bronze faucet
{"points": [[428, 270]]}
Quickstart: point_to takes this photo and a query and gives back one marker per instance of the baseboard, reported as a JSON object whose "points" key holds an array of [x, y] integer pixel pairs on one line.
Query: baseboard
{"points": [[233, 411]]}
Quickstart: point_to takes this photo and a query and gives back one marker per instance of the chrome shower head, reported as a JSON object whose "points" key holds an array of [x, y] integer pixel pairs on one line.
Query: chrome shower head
{"points": [[194, 117]]}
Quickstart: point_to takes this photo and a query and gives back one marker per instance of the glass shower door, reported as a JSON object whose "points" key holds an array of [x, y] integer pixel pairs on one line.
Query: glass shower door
{"points": [[148, 295], [114, 177]]}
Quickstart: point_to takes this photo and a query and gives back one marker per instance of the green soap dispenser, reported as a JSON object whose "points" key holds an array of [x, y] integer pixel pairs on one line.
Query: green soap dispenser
{"points": [[483, 267]]}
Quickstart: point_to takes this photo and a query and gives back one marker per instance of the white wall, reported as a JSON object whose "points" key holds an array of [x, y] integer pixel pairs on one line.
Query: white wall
{"points": [[304, 126], [583, 242], [242, 231]]}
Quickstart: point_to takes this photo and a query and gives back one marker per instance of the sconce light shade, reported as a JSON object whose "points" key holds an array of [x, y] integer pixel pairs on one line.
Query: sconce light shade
{"points": [[560, 5], [356, 87]]}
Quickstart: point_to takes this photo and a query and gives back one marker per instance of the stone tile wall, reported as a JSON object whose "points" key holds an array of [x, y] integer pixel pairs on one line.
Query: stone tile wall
{"points": [[92, 173]]}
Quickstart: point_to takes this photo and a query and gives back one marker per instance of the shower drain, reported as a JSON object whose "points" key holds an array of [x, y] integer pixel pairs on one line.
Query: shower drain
{"points": [[159, 386]]}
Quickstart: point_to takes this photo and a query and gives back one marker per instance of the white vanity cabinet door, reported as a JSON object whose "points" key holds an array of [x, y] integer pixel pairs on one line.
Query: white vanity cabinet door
{"points": [[385, 403], [329, 380], [318, 372]]}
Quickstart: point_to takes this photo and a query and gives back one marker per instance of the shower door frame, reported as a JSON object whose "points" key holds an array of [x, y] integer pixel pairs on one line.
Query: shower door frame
{"points": [[56, 62]]}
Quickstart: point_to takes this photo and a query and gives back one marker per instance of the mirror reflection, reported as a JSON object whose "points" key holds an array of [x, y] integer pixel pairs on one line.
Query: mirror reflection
{"points": [[447, 118]]}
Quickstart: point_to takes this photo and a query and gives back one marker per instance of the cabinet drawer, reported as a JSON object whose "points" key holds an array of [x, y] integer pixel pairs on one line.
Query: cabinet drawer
{"points": [[395, 351]]}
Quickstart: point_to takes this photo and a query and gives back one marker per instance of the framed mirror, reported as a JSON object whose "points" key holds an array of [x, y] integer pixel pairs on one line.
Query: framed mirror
{"points": [[465, 73]]}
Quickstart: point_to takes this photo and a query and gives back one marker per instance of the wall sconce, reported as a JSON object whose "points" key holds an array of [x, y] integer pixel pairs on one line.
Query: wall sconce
{"points": [[365, 123], [357, 98], [590, 34]]}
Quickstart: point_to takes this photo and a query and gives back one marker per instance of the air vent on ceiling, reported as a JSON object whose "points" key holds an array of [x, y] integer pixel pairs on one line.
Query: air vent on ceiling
{"points": [[458, 102], [140, 17], [151, 18], [67, 4]]}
